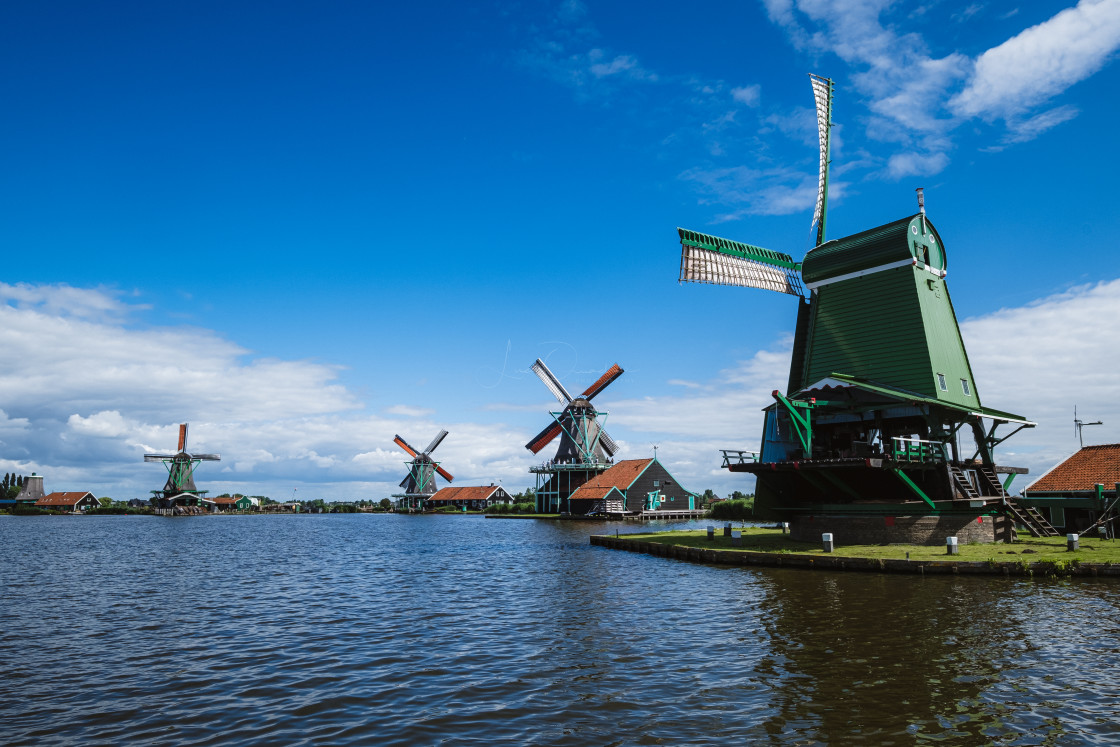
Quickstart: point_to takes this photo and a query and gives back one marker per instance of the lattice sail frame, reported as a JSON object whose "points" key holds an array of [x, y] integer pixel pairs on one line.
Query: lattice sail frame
{"points": [[711, 259], [822, 95]]}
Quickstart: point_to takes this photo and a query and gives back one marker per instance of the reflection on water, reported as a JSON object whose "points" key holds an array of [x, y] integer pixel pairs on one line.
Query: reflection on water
{"points": [[360, 629]]}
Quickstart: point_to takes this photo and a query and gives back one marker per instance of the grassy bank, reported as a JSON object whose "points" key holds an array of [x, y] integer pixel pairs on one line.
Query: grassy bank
{"points": [[1029, 549]]}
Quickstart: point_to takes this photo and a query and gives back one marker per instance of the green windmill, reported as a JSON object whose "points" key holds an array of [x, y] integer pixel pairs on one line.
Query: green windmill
{"points": [[180, 488], [880, 433]]}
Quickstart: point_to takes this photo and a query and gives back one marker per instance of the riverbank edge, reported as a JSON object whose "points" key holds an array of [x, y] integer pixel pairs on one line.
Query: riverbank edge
{"points": [[864, 565]]}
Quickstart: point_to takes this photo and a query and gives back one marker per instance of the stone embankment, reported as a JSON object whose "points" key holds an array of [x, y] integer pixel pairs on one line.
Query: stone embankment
{"points": [[834, 562]]}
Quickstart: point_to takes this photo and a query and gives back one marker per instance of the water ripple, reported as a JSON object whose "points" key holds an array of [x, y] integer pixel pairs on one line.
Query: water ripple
{"points": [[360, 629]]}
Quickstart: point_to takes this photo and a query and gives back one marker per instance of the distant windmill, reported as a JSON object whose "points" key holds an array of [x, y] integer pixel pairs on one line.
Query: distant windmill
{"points": [[585, 449], [1078, 424], [180, 487], [420, 483]]}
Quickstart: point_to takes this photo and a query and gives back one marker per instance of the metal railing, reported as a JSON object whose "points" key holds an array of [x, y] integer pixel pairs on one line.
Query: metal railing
{"points": [[734, 456]]}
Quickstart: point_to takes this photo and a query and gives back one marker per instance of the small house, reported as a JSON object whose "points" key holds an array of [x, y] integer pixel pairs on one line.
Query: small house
{"points": [[1076, 491], [470, 498], [633, 486], [74, 502], [232, 503]]}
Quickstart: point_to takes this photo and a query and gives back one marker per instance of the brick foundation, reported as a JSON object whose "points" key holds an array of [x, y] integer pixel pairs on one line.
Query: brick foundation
{"points": [[910, 530]]}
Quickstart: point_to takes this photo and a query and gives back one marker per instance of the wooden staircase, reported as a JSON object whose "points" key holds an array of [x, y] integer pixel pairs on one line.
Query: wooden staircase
{"points": [[990, 485], [962, 483], [1029, 517]]}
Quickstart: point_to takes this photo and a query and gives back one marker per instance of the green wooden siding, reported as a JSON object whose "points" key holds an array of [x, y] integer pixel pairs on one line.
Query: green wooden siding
{"points": [[902, 241], [870, 327], [895, 327], [943, 337]]}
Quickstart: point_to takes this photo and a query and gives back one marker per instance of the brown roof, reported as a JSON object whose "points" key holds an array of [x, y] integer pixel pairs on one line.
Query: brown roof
{"points": [[477, 493], [620, 476], [62, 499], [1082, 471], [586, 493], [226, 500]]}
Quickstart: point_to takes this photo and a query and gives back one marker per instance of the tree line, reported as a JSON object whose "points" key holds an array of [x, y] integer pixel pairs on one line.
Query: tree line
{"points": [[11, 485]]}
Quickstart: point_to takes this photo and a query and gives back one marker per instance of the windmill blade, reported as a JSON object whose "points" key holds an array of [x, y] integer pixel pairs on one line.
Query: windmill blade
{"points": [[612, 373], [158, 457], [404, 445], [444, 473], [710, 259], [607, 443], [435, 442], [182, 436], [550, 381], [543, 438], [206, 457]]}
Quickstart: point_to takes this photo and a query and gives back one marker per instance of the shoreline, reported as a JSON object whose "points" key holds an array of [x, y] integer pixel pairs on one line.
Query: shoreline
{"points": [[832, 562]]}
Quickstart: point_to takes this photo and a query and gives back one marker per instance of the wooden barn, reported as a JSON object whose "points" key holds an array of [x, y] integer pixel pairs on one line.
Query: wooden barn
{"points": [[74, 502], [1076, 492], [477, 498], [633, 486]]}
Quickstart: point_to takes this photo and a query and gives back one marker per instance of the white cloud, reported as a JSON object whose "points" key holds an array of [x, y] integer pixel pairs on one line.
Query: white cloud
{"points": [[779, 191], [1040, 360], [748, 95], [89, 396], [1042, 61], [409, 412], [1029, 129], [922, 164]]}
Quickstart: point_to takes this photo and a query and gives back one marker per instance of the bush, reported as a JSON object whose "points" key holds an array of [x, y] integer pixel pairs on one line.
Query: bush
{"points": [[733, 510], [515, 508]]}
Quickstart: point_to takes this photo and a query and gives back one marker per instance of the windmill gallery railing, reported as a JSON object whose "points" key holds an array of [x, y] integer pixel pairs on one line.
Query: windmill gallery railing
{"points": [[734, 456], [917, 450]]}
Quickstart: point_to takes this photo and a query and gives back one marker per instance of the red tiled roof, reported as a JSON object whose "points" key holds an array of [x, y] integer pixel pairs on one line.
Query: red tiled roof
{"points": [[588, 493], [620, 476], [63, 499], [469, 493], [1082, 471], [226, 501]]}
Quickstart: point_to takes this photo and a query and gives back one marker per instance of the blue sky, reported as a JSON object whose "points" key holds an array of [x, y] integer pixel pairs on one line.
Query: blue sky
{"points": [[307, 227]]}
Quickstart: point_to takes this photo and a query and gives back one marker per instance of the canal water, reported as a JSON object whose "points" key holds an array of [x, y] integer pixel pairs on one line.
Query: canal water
{"points": [[393, 630]]}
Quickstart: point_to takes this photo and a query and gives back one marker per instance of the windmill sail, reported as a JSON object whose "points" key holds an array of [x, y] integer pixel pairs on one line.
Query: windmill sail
{"points": [[822, 94], [710, 259]]}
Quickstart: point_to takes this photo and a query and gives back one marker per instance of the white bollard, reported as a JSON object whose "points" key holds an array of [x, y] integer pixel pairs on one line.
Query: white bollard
{"points": [[785, 527], [826, 540], [737, 538], [951, 547], [1071, 542]]}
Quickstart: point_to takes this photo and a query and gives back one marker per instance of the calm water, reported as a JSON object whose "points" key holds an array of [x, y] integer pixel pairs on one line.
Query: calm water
{"points": [[387, 630]]}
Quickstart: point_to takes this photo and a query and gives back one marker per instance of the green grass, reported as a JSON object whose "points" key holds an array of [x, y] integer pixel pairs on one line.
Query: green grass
{"points": [[756, 539]]}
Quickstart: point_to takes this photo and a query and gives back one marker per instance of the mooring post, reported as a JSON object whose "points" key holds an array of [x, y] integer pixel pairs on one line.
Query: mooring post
{"points": [[727, 529], [785, 527], [1071, 543], [951, 547], [711, 533], [737, 538], [826, 540]]}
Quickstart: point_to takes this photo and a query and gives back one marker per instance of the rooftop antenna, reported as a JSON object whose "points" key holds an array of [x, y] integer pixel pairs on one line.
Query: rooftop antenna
{"points": [[655, 450], [822, 94], [1078, 424]]}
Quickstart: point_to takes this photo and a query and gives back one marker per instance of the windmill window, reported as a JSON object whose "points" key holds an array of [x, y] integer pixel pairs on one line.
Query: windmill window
{"points": [[964, 388], [656, 483], [941, 382]]}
